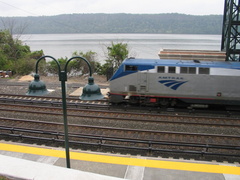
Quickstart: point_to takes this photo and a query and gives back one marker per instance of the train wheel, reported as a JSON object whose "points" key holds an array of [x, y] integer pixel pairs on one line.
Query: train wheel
{"points": [[133, 100], [164, 102]]}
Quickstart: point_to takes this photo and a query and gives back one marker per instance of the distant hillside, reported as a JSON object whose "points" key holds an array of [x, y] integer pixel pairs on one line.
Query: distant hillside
{"points": [[119, 23]]}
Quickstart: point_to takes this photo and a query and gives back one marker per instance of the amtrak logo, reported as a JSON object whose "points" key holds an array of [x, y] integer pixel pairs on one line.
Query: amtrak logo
{"points": [[173, 84]]}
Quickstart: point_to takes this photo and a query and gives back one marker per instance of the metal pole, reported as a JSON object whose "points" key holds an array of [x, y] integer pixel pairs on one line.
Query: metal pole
{"points": [[63, 78]]}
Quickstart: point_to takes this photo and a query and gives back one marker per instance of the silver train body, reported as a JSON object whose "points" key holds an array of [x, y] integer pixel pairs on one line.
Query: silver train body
{"points": [[171, 82]]}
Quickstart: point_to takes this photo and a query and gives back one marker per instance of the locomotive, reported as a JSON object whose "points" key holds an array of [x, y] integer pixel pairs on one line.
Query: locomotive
{"points": [[169, 83]]}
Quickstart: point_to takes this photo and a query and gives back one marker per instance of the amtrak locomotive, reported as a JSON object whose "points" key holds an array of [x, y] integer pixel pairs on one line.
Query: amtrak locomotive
{"points": [[167, 83]]}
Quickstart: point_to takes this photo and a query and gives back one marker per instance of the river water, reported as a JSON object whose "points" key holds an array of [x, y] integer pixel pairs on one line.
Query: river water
{"points": [[140, 45]]}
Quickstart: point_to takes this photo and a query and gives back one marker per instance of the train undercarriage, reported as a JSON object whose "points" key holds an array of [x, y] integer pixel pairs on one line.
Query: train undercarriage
{"points": [[170, 102]]}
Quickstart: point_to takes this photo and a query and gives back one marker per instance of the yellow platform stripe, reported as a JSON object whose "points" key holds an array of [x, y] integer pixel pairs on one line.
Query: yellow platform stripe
{"points": [[208, 168]]}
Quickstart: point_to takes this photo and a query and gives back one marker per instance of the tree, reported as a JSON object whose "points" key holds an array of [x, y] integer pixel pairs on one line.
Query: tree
{"points": [[26, 65], [52, 66], [115, 56], [75, 67], [11, 47], [13, 26], [15, 56], [117, 53], [82, 66]]}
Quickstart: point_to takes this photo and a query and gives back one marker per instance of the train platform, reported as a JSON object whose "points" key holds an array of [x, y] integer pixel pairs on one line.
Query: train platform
{"points": [[24, 161]]}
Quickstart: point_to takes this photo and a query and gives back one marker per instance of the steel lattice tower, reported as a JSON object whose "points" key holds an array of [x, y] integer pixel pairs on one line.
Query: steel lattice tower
{"points": [[231, 30]]}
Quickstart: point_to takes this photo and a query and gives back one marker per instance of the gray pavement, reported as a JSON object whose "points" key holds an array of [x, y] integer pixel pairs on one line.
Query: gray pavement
{"points": [[30, 166], [15, 168]]}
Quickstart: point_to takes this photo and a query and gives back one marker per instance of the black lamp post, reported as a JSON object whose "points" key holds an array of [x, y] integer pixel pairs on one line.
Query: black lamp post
{"points": [[91, 91]]}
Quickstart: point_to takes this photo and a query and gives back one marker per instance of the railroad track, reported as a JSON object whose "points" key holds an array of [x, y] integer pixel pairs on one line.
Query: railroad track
{"points": [[140, 133], [148, 132], [50, 101], [119, 138], [77, 103], [220, 122]]}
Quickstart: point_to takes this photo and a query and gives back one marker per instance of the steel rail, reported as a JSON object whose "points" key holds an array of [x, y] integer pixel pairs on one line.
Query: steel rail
{"points": [[123, 129], [186, 121], [53, 100], [102, 138]]}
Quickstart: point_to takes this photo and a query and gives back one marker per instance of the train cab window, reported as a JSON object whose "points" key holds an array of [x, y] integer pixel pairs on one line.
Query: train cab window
{"points": [[131, 68], [192, 70], [188, 70], [204, 71], [161, 69], [183, 70], [171, 69]]}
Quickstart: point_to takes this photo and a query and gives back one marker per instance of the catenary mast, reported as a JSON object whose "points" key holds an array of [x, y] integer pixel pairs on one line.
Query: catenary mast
{"points": [[231, 30]]}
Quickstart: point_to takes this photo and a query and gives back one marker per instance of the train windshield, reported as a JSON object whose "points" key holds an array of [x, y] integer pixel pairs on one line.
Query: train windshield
{"points": [[131, 68]]}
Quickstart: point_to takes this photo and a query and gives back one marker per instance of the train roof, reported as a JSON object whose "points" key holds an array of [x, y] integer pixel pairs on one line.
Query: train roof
{"points": [[173, 62], [147, 64]]}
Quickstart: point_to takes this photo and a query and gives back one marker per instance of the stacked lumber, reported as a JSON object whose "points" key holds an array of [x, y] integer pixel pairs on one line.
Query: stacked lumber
{"points": [[200, 55]]}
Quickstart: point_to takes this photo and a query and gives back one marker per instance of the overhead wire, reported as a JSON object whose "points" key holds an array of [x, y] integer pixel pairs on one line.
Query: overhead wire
{"points": [[58, 22], [26, 11], [34, 14]]}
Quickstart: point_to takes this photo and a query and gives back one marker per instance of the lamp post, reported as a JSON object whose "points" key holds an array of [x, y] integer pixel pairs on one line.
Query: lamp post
{"points": [[91, 91]]}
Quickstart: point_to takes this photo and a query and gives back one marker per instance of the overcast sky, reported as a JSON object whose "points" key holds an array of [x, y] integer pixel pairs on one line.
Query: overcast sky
{"points": [[55, 7]]}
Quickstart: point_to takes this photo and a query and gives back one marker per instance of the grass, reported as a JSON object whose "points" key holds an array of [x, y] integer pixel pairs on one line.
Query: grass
{"points": [[3, 178]]}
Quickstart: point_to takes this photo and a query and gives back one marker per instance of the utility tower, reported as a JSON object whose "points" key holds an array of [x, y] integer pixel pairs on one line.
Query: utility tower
{"points": [[231, 30]]}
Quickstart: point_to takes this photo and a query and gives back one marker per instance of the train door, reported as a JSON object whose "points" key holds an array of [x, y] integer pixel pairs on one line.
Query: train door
{"points": [[142, 82]]}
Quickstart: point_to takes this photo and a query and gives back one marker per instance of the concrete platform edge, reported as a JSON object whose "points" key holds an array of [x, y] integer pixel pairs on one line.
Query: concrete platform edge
{"points": [[24, 169]]}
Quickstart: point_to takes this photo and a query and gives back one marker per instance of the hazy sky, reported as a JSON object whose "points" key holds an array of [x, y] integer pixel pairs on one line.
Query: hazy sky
{"points": [[55, 7]]}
